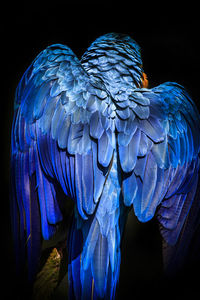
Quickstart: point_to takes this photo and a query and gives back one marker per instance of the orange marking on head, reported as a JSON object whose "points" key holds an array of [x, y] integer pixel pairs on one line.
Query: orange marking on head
{"points": [[144, 80]]}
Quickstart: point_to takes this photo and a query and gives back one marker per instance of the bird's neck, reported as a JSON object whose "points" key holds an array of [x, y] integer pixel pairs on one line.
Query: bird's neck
{"points": [[117, 69]]}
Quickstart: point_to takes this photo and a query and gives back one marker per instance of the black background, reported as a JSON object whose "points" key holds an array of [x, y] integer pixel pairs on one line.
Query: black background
{"points": [[169, 38]]}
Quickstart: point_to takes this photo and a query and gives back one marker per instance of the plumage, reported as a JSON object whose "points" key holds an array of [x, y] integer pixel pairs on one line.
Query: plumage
{"points": [[105, 150], [91, 131], [145, 145], [96, 128], [149, 185], [149, 128], [161, 155], [128, 154], [100, 265], [47, 229], [129, 189]]}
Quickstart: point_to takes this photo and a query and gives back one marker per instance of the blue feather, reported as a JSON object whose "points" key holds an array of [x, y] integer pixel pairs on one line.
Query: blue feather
{"points": [[100, 265], [179, 126], [74, 266], [183, 149], [149, 185], [105, 150], [167, 214], [124, 139], [190, 144], [141, 111], [87, 284], [47, 229], [24, 160], [72, 175], [111, 137], [63, 170], [131, 124], [56, 89], [176, 180], [175, 212], [112, 247], [187, 201], [157, 196], [87, 183], [63, 132], [139, 98], [17, 213], [85, 130], [128, 154], [55, 122], [149, 128], [45, 121], [172, 129], [74, 138], [35, 238], [175, 148], [27, 105], [78, 185], [123, 113], [189, 179], [53, 211], [90, 243], [145, 145], [51, 72], [85, 143], [28, 137], [40, 101], [120, 124], [44, 149], [66, 161], [161, 155], [140, 167], [21, 133], [99, 177], [92, 103], [129, 189]]}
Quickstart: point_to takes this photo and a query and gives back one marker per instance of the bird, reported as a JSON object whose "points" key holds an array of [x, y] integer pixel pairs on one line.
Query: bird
{"points": [[91, 140]]}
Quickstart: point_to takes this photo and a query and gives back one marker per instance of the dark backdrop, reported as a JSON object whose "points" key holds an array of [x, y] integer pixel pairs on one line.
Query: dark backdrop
{"points": [[169, 38]]}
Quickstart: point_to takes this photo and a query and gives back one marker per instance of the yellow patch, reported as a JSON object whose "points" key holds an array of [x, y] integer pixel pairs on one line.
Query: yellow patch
{"points": [[144, 81]]}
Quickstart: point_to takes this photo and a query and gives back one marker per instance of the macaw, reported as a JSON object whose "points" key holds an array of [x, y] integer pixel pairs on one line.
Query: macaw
{"points": [[90, 131]]}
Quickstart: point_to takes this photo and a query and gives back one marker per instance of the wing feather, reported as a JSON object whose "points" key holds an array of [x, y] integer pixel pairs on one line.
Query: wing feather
{"points": [[128, 154], [65, 130], [184, 159], [61, 137], [166, 162], [149, 185]]}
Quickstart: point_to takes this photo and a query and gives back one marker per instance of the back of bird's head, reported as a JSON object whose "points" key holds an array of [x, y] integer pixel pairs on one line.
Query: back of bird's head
{"points": [[117, 41]]}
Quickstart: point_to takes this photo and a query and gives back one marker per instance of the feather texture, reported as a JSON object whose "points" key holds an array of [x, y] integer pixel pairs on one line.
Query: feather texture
{"points": [[87, 130]]}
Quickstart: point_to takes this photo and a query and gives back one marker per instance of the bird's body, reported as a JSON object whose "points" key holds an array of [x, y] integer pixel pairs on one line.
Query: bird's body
{"points": [[99, 257], [93, 132]]}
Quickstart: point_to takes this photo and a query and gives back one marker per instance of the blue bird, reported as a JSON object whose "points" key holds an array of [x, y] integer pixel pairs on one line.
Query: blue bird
{"points": [[91, 131]]}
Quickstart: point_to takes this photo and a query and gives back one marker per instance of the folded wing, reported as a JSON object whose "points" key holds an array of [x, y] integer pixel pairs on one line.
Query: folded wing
{"points": [[160, 159], [62, 145]]}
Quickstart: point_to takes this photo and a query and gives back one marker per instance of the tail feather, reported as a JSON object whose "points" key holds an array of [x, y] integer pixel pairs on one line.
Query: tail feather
{"points": [[74, 255], [100, 264], [94, 270], [94, 261]]}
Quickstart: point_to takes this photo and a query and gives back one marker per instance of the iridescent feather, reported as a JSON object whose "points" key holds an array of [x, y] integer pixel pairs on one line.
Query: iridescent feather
{"points": [[91, 131]]}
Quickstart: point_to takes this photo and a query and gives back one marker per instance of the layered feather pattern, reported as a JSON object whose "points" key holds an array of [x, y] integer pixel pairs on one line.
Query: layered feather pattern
{"points": [[88, 130]]}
